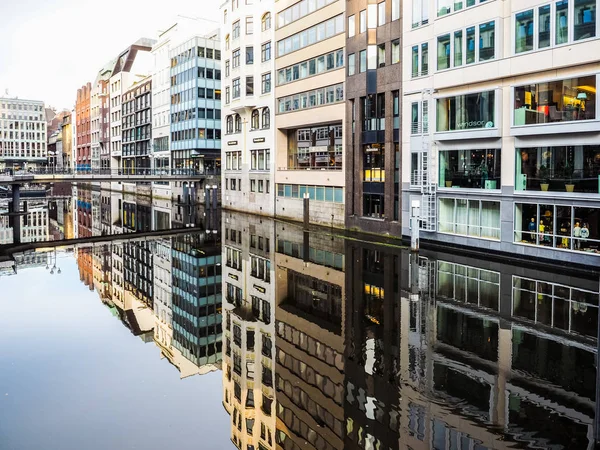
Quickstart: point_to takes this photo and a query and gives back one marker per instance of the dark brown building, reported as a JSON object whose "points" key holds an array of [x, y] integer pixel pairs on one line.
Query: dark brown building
{"points": [[82, 112], [373, 92]]}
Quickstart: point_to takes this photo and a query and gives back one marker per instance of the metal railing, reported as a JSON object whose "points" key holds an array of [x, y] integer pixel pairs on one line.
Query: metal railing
{"points": [[130, 171]]}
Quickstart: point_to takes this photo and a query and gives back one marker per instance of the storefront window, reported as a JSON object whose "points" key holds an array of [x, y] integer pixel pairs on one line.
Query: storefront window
{"points": [[559, 169], [315, 148], [565, 227], [466, 112], [556, 101], [476, 218], [474, 169]]}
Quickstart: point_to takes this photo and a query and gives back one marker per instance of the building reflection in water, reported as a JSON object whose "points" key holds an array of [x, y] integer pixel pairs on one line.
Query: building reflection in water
{"points": [[331, 343]]}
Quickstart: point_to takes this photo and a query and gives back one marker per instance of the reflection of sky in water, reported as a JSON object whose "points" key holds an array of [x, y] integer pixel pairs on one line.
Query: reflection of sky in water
{"points": [[76, 378]]}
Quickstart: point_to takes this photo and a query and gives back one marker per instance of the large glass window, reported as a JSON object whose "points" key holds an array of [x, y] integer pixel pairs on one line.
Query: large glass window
{"points": [[449, 6], [315, 148], [323, 63], [420, 59], [311, 99], [464, 112], [299, 10], [312, 35], [475, 218], [469, 284], [474, 169], [556, 101], [585, 19], [573, 168], [566, 227]]}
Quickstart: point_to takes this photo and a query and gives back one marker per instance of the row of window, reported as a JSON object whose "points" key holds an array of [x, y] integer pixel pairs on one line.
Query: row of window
{"points": [[313, 66], [372, 17], [194, 74], [312, 35], [265, 55], [299, 10], [373, 57], [317, 193], [196, 113], [234, 121], [236, 87], [555, 101], [312, 99], [195, 133], [191, 94], [192, 53]]}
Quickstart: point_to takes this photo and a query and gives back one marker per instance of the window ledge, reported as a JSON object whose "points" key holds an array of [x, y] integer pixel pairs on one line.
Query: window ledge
{"points": [[588, 196], [564, 250], [469, 191], [556, 128], [466, 236], [477, 133]]}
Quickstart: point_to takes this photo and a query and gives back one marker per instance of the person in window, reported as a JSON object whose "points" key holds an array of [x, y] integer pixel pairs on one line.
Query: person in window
{"points": [[585, 233], [564, 230], [542, 228]]}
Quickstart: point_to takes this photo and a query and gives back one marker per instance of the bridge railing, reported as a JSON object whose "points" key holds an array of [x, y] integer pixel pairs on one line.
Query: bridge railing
{"points": [[135, 171]]}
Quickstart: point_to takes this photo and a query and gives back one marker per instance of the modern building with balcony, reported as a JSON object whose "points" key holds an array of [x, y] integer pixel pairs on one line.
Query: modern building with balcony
{"points": [[310, 109], [22, 133], [373, 98], [500, 126], [248, 36]]}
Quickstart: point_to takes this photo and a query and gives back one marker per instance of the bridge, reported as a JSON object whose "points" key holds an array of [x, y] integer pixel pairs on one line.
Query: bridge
{"points": [[99, 175]]}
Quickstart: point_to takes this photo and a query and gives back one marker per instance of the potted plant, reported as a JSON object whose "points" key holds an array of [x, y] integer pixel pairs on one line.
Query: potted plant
{"points": [[544, 176], [569, 186], [448, 176]]}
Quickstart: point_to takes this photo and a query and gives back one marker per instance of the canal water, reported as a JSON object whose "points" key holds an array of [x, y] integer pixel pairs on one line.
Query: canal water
{"points": [[180, 327]]}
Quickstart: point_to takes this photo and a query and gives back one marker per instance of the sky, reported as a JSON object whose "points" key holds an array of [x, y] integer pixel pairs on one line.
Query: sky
{"points": [[51, 48]]}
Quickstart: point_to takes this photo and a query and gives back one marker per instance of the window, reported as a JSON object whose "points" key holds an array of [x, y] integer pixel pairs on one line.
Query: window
{"points": [[559, 226], [351, 26], [312, 35], [249, 55], [419, 117], [235, 57], [265, 51], [556, 101], [235, 31], [227, 68], [227, 42], [311, 99], [450, 6], [571, 168], [474, 218], [396, 51], [362, 61], [229, 121], [225, 16], [381, 55], [362, 17], [252, 185], [466, 112], [249, 25], [227, 94], [266, 82], [380, 14], [322, 63], [266, 118], [454, 51], [260, 160], [236, 88], [316, 193], [265, 22], [420, 12], [524, 31], [420, 60], [396, 9], [250, 85], [255, 119], [471, 169], [238, 123], [299, 10], [351, 64], [315, 148]]}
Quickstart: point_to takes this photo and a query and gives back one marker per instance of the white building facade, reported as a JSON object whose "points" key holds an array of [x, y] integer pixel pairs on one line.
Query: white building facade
{"points": [[22, 134], [500, 126], [248, 37]]}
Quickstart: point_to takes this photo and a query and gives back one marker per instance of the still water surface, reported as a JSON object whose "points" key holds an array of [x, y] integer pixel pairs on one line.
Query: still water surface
{"points": [[245, 332]]}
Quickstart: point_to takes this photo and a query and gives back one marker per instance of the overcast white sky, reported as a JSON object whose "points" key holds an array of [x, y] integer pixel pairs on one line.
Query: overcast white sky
{"points": [[51, 48]]}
